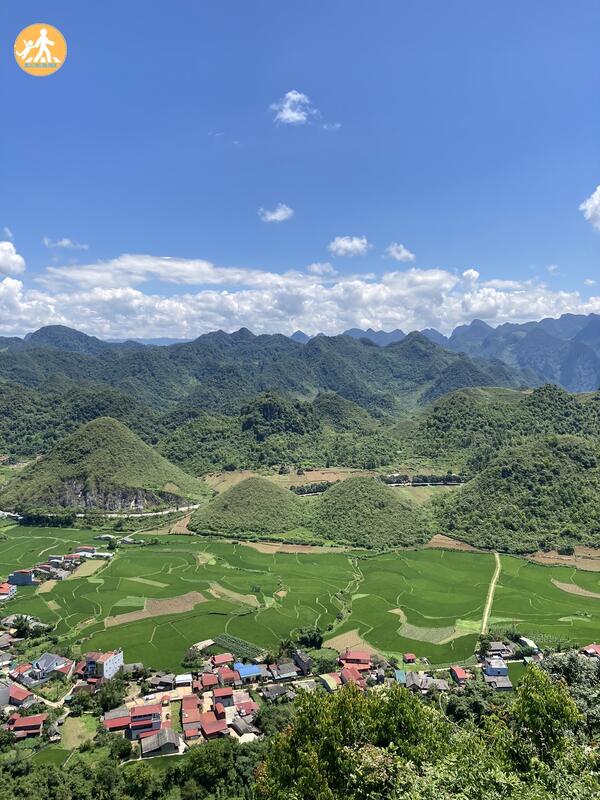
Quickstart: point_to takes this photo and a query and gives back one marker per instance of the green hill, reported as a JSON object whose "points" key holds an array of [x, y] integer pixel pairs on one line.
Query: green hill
{"points": [[255, 505], [543, 493], [363, 511], [103, 465]]}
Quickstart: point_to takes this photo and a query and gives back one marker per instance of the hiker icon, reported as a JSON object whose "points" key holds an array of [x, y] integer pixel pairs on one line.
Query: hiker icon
{"points": [[40, 49], [44, 56]]}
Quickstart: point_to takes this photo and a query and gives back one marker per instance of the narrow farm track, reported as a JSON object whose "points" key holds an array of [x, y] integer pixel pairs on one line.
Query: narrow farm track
{"points": [[490, 595]]}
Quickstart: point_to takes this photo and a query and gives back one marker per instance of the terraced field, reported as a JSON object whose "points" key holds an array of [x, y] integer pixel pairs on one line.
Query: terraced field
{"points": [[155, 601]]}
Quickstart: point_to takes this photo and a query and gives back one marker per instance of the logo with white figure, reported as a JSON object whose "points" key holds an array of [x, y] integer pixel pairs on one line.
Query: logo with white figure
{"points": [[40, 49]]}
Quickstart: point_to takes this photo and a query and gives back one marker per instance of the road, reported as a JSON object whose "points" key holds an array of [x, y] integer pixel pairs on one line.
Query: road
{"points": [[490, 595]]}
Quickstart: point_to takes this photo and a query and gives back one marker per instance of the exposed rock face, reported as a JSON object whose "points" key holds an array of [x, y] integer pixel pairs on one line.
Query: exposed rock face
{"points": [[75, 494]]}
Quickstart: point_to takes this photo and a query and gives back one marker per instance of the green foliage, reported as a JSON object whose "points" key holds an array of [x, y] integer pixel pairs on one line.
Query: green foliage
{"points": [[254, 505], [102, 465], [543, 493], [363, 511]]}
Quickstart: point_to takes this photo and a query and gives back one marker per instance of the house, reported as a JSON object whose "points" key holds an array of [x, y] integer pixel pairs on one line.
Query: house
{"points": [[284, 671], [103, 665], [145, 719], [212, 727], [22, 577], [223, 695], [6, 659], [303, 662], [183, 680], [331, 681], [11, 694], [352, 675], [5, 641], [500, 650], [498, 682], [19, 671], [248, 672], [84, 549], [274, 692], [529, 643], [495, 666], [104, 537], [118, 719], [7, 592], [209, 680], [162, 681], [50, 665], [409, 658], [459, 675], [26, 727], [163, 743], [591, 650], [360, 659], [190, 717], [222, 660], [420, 682], [227, 676], [400, 676]]}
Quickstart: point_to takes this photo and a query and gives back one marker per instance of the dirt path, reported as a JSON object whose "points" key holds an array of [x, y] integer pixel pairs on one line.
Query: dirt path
{"points": [[490, 595], [181, 526]]}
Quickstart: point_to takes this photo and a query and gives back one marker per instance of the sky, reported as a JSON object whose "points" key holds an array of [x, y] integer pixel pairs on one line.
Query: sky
{"points": [[314, 166]]}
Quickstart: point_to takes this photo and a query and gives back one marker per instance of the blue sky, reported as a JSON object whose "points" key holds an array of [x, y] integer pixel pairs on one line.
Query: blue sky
{"points": [[468, 133]]}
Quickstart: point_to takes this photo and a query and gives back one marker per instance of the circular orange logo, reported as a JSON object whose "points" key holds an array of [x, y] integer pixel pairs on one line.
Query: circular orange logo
{"points": [[40, 49]]}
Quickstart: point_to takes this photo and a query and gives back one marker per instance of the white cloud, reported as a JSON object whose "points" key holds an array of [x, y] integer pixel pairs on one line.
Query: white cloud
{"points": [[280, 213], [64, 243], [11, 263], [110, 299], [589, 282], [552, 268], [7, 232], [591, 208], [399, 252], [294, 108], [332, 126], [321, 268], [349, 246]]}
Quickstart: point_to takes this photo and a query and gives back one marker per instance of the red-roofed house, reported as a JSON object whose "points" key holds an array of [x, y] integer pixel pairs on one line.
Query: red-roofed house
{"points": [[459, 675], [212, 727], [209, 680], [25, 727], [227, 676], [7, 592], [409, 658], [352, 675], [222, 659], [145, 719], [85, 548], [591, 650], [17, 695], [20, 669], [360, 659], [117, 723], [223, 695], [247, 708]]}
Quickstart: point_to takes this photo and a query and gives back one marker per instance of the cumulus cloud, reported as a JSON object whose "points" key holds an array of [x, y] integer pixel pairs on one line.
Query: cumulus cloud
{"points": [[64, 243], [321, 268], [8, 234], [294, 108], [399, 252], [552, 268], [110, 299], [11, 263], [591, 208], [349, 246], [280, 213], [589, 282]]}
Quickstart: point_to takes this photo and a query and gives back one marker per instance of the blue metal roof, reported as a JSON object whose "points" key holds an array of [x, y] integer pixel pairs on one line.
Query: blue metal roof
{"points": [[400, 675], [247, 670]]}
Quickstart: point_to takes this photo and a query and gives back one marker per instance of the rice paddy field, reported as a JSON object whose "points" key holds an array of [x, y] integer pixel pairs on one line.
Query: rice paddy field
{"points": [[155, 601]]}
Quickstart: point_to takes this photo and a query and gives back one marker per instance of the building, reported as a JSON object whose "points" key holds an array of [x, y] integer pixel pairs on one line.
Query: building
{"points": [[420, 682], [591, 650], [22, 577], [330, 680], [103, 665], [529, 643], [118, 719], [48, 666], [227, 676], [163, 743], [11, 694], [26, 727], [212, 727], [7, 592], [495, 667], [303, 662], [352, 675], [501, 650], [85, 549], [145, 719], [498, 682], [223, 695], [222, 660], [400, 676], [361, 659], [458, 675], [409, 658], [248, 673], [284, 671]]}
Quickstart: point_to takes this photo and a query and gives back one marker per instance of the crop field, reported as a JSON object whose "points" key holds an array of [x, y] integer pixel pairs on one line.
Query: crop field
{"points": [[188, 588]]}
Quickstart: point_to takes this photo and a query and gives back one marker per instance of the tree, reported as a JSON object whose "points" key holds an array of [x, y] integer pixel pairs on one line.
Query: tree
{"points": [[311, 637], [120, 748]]}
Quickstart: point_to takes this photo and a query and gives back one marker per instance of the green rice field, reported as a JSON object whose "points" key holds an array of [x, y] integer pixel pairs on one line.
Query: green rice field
{"points": [[188, 588]]}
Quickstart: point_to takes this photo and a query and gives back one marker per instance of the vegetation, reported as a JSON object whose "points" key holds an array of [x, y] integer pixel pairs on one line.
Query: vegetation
{"points": [[362, 511], [543, 493], [255, 505], [102, 465]]}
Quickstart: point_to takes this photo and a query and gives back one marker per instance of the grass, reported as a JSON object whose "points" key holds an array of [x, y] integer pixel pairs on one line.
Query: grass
{"points": [[77, 730], [426, 601]]}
